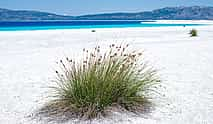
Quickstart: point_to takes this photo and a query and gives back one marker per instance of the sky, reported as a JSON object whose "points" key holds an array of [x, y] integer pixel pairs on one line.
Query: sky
{"points": [[81, 7]]}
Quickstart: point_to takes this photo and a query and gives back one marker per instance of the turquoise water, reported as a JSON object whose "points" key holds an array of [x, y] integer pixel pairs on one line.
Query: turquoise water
{"points": [[24, 28]]}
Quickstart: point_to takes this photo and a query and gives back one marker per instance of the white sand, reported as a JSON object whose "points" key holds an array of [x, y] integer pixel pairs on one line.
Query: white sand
{"points": [[186, 67]]}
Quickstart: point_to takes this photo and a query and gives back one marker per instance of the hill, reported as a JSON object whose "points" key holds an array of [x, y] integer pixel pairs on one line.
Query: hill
{"points": [[24, 15], [168, 13]]}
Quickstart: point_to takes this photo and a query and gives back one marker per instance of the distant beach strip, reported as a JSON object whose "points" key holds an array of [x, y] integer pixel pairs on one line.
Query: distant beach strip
{"points": [[55, 25]]}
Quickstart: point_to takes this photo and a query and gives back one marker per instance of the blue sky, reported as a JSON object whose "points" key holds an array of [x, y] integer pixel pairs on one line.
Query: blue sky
{"points": [[79, 7]]}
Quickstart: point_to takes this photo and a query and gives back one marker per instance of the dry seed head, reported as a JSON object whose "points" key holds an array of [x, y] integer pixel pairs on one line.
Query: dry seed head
{"points": [[139, 54], [91, 54], [134, 56], [84, 66]]}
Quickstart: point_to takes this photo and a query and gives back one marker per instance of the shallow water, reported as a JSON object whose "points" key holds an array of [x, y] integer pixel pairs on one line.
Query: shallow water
{"points": [[54, 25]]}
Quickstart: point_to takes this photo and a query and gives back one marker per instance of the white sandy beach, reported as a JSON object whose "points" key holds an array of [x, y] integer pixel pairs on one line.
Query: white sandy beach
{"points": [[185, 63]]}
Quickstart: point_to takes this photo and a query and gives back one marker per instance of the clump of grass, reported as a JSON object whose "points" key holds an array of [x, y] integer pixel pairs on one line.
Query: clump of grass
{"points": [[193, 33], [103, 79]]}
